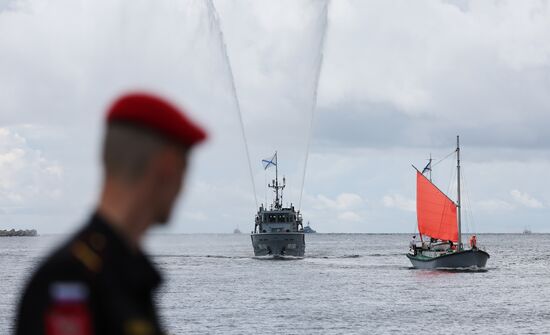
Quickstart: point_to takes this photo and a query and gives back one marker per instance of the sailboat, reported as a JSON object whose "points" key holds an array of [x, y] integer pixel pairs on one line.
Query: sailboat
{"points": [[439, 218]]}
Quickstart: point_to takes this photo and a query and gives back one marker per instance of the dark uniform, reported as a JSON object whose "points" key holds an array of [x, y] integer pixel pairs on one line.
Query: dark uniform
{"points": [[94, 284]]}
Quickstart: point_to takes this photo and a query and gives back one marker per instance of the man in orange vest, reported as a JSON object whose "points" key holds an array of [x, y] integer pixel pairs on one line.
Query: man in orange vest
{"points": [[473, 242]]}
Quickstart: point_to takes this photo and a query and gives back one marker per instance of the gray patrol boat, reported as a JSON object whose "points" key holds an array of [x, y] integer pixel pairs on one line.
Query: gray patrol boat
{"points": [[278, 230]]}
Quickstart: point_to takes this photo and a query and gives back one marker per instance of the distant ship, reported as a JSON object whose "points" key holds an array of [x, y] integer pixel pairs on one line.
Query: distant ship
{"points": [[278, 230], [308, 229], [527, 231], [237, 231], [438, 219]]}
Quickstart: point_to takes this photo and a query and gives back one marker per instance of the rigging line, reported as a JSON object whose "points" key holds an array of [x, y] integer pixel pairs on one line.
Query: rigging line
{"points": [[470, 211], [452, 179], [214, 19], [466, 207], [470, 216], [448, 192], [444, 158], [324, 23], [466, 222]]}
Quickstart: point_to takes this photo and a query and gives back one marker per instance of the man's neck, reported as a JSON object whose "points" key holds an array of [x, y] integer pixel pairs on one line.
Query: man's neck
{"points": [[126, 211]]}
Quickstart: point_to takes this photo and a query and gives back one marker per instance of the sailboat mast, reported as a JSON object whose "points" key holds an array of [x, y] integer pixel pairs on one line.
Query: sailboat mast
{"points": [[458, 191]]}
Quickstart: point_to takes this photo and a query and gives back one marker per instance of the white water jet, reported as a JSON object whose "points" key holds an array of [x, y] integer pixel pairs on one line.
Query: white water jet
{"points": [[276, 64], [321, 47], [213, 16]]}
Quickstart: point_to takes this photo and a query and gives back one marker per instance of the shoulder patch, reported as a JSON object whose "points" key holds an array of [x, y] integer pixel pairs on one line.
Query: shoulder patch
{"points": [[69, 313], [86, 256]]}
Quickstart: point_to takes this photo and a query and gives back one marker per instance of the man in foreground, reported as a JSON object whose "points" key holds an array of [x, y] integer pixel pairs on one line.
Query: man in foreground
{"points": [[100, 282]]}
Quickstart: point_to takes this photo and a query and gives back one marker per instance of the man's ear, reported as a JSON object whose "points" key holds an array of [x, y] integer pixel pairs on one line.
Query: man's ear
{"points": [[170, 161], [164, 163]]}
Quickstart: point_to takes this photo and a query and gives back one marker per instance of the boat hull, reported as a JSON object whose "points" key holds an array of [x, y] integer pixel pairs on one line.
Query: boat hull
{"points": [[458, 260], [279, 244]]}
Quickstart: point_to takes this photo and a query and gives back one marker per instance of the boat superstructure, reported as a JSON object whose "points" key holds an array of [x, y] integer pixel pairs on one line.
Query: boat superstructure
{"points": [[278, 230], [439, 225]]}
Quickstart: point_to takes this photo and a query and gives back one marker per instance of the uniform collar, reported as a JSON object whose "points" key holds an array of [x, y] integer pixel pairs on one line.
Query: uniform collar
{"points": [[131, 263]]}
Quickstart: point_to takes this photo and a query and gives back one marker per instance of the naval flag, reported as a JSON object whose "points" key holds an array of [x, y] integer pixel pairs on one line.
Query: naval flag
{"points": [[427, 167], [270, 161]]}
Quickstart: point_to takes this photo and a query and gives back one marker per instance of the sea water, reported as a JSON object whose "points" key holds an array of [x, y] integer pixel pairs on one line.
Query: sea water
{"points": [[346, 284]]}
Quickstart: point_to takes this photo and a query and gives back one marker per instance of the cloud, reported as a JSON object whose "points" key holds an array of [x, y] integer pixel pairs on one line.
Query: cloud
{"points": [[349, 216], [417, 77], [7, 5], [343, 201], [335, 213], [399, 202], [395, 86], [494, 205], [195, 216], [525, 199], [27, 176]]}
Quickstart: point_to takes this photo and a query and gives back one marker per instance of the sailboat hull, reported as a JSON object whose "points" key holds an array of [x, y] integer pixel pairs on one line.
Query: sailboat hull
{"points": [[279, 244], [457, 260]]}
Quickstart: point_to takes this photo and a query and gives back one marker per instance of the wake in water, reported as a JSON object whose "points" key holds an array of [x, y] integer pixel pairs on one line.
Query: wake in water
{"points": [[268, 257], [277, 258], [472, 269]]}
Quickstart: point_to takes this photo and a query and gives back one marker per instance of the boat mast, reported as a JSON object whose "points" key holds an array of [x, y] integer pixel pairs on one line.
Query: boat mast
{"points": [[275, 185], [458, 191], [276, 181]]}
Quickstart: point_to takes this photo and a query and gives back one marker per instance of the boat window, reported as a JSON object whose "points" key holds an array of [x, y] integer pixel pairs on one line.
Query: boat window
{"points": [[283, 218]]}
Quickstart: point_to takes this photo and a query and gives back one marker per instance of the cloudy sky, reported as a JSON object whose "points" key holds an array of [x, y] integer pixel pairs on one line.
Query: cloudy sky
{"points": [[395, 81]]}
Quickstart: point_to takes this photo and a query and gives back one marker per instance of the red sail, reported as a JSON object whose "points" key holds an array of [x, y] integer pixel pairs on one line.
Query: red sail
{"points": [[436, 213]]}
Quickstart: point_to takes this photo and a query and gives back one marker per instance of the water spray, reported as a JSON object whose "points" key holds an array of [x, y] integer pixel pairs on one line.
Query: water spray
{"points": [[214, 20], [324, 24]]}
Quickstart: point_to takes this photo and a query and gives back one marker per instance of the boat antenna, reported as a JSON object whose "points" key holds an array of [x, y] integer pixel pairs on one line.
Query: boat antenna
{"points": [[283, 187], [458, 191]]}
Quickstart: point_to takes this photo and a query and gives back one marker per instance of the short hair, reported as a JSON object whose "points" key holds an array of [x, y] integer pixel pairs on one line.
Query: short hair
{"points": [[128, 149]]}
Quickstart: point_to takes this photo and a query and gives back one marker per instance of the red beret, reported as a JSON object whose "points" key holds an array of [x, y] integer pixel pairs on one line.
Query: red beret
{"points": [[156, 114]]}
